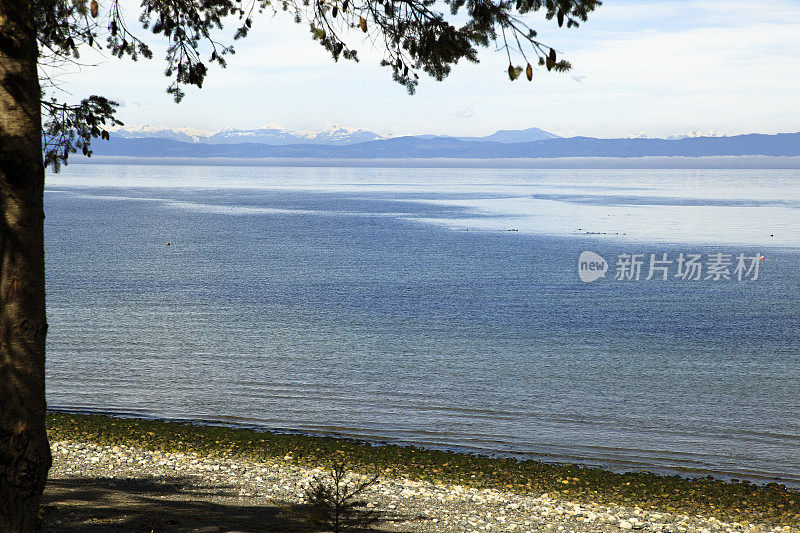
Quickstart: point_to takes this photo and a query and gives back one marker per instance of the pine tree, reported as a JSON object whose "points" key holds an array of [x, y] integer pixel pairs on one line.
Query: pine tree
{"points": [[335, 504]]}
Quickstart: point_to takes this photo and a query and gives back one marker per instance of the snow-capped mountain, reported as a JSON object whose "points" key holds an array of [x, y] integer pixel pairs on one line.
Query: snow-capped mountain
{"points": [[694, 134], [501, 136], [697, 133], [160, 132], [274, 135], [337, 134], [271, 134], [266, 135]]}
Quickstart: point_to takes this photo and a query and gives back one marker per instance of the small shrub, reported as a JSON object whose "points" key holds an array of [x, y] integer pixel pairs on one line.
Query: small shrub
{"points": [[335, 502]]}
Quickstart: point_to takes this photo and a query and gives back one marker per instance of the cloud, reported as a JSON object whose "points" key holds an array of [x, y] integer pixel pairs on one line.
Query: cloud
{"points": [[578, 78], [465, 112]]}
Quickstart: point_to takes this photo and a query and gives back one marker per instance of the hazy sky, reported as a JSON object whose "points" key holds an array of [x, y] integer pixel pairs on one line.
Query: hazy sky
{"points": [[660, 67]]}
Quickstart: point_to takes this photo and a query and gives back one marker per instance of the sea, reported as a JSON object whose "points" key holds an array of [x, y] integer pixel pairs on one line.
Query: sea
{"points": [[637, 320]]}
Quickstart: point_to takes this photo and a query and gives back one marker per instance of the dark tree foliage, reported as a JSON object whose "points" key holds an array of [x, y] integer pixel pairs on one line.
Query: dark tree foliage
{"points": [[69, 128], [414, 36]]}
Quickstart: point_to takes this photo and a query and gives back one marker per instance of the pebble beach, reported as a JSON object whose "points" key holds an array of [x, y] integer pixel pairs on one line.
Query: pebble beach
{"points": [[405, 504]]}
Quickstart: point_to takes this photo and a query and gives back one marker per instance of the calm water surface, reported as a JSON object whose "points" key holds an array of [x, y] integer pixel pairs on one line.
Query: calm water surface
{"points": [[396, 305]]}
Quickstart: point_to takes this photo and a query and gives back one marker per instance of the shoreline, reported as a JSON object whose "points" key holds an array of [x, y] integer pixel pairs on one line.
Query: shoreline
{"points": [[731, 162], [741, 506], [616, 466]]}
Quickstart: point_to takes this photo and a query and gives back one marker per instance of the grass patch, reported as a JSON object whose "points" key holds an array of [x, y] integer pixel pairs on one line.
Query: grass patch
{"points": [[770, 504]]}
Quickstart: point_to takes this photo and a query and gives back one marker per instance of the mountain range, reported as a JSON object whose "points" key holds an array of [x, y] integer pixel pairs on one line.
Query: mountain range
{"points": [[276, 136], [341, 143]]}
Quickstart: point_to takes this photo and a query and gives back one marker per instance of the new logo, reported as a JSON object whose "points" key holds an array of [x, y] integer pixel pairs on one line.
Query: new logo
{"points": [[591, 266]]}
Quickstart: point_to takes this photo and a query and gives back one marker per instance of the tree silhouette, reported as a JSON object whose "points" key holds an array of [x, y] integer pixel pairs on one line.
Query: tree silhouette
{"points": [[335, 504]]}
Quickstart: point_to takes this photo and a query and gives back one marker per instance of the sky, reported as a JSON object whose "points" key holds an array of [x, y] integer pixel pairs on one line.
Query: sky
{"points": [[640, 67]]}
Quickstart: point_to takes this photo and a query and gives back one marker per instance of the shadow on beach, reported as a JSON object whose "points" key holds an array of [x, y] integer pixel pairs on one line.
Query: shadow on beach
{"points": [[140, 505]]}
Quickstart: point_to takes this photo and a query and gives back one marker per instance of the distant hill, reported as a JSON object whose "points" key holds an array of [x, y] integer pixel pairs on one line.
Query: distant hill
{"points": [[514, 136], [784, 144]]}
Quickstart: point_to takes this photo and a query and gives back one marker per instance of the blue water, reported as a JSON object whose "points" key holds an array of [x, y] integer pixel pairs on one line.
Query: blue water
{"points": [[395, 305]]}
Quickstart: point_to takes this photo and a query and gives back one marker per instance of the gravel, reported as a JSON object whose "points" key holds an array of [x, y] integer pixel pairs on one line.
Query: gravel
{"points": [[406, 505]]}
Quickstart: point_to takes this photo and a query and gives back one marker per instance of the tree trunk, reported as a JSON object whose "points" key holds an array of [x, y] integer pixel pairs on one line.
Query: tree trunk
{"points": [[24, 450]]}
